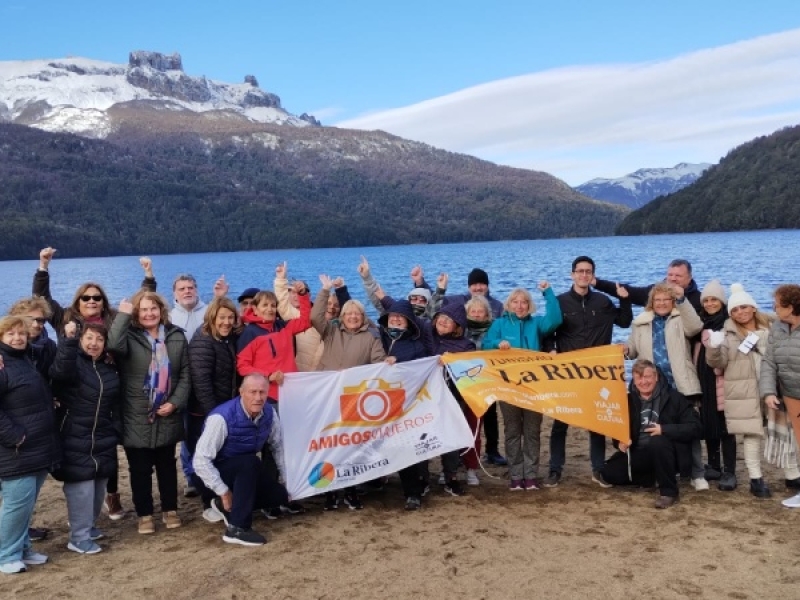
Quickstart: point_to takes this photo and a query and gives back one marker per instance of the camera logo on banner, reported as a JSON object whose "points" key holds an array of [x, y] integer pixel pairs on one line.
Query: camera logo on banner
{"points": [[374, 402]]}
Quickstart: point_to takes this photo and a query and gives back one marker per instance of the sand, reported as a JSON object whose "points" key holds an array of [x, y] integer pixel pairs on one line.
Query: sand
{"points": [[573, 541]]}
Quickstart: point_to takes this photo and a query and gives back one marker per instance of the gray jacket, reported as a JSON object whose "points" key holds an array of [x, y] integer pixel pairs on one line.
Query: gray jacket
{"points": [[781, 364]]}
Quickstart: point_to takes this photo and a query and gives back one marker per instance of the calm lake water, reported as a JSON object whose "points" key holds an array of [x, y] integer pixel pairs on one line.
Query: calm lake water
{"points": [[758, 259]]}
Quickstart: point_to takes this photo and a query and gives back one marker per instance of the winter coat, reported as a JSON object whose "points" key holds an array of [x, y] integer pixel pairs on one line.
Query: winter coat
{"points": [[212, 366], [529, 332], [264, 348], [413, 343], [454, 342], [743, 406], [308, 344], [679, 421], [781, 364], [132, 351], [682, 324], [343, 348], [88, 419], [26, 416], [719, 379], [588, 321]]}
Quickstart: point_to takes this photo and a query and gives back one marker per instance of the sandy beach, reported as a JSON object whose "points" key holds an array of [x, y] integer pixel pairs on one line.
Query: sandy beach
{"points": [[567, 542]]}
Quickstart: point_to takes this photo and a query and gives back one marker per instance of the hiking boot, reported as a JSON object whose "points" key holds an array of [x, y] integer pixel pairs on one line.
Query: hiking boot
{"points": [[147, 525], [495, 458], [665, 501], [30, 557], [331, 502], [792, 484], [353, 502], [515, 485], [171, 519], [712, 473], [243, 537], [759, 489], [552, 480], [216, 504], [793, 502], [413, 503], [727, 482], [700, 484], [472, 477], [84, 547], [113, 507], [453, 487], [531, 484], [212, 515], [597, 477], [15, 566]]}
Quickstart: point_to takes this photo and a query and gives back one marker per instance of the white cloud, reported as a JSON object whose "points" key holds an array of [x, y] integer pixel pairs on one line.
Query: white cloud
{"points": [[608, 120], [328, 112]]}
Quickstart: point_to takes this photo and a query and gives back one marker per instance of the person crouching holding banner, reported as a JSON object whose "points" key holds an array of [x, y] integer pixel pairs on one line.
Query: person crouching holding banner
{"points": [[226, 460], [660, 416]]}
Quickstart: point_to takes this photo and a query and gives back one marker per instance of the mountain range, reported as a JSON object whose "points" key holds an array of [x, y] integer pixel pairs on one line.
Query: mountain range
{"points": [[223, 167], [640, 187]]}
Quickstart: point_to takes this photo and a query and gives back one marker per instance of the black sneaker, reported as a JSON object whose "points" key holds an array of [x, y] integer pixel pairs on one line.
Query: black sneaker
{"points": [[331, 502], [217, 503], [791, 484], [244, 537], [293, 508], [272, 513], [712, 473], [552, 480], [759, 489], [453, 487], [37, 534], [413, 503], [727, 482], [495, 458], [353, 502]]}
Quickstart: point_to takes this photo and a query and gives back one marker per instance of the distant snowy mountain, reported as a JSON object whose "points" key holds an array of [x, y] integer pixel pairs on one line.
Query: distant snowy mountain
{"points": [[75, 94], [638, 188]]}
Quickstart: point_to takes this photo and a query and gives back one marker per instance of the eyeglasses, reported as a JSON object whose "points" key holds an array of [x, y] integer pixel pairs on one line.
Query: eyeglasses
{"points": [[39, 320], [583, 271], [96, 298]]}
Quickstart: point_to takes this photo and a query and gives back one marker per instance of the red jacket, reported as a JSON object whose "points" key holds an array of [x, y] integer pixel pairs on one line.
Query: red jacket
{"points": [[266, 347]]}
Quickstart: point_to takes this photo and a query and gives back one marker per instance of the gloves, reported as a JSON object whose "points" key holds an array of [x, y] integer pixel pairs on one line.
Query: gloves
{"points": [[716, 338]]}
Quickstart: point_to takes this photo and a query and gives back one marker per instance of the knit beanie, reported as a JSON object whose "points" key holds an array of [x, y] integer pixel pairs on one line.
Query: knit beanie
{"points": [[478, 276], [714, 289], [740, 298], [424, 292]]}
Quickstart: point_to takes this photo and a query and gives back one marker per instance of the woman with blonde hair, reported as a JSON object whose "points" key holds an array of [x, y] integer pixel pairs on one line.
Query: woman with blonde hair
{"points": [[518, 327], [154, 364]]}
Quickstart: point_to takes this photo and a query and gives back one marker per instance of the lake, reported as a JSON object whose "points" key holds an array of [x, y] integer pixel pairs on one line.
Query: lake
{"points": [[758, 259]]}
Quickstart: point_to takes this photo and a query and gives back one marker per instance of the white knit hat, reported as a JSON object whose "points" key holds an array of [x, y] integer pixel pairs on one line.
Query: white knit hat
{"points": [[740, 298], [714, 289]]}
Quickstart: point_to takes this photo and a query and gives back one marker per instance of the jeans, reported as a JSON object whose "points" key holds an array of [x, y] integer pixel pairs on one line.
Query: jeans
{"points": [[140, 464], [558, 445], [84, 501], [19, 499]]}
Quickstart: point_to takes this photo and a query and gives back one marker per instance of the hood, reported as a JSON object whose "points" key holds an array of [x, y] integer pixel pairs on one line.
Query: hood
{"points": [[199, 306], [401, 307], [456, 311]]}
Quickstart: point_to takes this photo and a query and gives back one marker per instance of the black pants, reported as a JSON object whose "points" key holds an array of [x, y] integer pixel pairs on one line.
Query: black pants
{"points": [[141, 462], [728, 444], [491, 430], [654, 463], [252, 487], [413, 478]]}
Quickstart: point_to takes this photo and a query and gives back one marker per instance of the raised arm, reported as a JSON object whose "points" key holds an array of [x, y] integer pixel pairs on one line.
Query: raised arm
{"points": [[65, 365], [320, 307], [373, 289], [149, 282], [552, 317], [281, 288], [118, 334], [41, 287]]}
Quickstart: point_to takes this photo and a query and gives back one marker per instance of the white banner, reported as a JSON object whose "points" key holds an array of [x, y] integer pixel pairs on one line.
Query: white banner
{"points": [[347, 427]]}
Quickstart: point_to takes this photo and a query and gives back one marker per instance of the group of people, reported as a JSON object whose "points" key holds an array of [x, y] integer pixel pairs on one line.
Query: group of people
{"points": [[149, 376]]}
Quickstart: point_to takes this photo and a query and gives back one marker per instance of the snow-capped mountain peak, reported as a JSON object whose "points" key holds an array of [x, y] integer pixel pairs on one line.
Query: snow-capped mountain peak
{"points": [[638, 188], [75, 94]]}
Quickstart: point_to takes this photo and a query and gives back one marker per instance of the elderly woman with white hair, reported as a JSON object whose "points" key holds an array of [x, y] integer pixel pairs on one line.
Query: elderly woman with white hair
{"points": [[519, 327], [347, 342]]}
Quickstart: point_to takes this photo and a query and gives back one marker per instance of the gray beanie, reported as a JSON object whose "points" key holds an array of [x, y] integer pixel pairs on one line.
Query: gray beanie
{"points": [[714, 289]]}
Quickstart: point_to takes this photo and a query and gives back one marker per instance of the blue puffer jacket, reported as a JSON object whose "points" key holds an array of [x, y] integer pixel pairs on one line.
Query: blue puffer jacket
{"points": [[26, 415], [412, 344], [526, 333], [89, 418], [244, 436]]}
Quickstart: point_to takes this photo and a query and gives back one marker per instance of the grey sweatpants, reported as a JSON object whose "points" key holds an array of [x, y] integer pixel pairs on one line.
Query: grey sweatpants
{"points": [[523, 429], [84, 501]]}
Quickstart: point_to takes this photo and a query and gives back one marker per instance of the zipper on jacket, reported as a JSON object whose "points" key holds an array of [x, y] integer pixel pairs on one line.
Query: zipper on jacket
{"points": [[96, 416]]}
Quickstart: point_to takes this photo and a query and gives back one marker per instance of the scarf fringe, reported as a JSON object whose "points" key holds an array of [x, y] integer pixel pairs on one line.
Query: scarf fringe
{"points": [[780, 448]]}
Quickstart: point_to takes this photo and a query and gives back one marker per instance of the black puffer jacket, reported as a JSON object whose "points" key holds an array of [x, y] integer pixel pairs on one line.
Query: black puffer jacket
{"points": [[212, 365], [88, 418], [26, 411]]}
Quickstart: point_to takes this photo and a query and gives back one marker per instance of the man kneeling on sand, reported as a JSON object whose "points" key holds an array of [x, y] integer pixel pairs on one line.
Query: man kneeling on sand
{"points": [[660, 418], [227, 462]]}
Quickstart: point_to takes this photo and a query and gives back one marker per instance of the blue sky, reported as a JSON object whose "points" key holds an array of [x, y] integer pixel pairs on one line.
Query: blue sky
{"points": [[578, 89]]}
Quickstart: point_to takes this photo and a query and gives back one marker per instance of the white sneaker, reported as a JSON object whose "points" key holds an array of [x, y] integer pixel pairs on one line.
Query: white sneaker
{"points": [[212, 515], [15, 566], [700, 484], [793, 502], [442, 480], [31, 557], [472, 477]]}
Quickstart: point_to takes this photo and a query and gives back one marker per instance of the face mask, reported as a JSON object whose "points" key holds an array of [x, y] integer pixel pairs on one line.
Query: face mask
{"points": [[418, 309], [477, 324], [395, 332]]}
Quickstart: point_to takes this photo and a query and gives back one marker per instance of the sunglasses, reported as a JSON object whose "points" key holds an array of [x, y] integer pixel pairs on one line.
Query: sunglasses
{"points": [[96, 298]]}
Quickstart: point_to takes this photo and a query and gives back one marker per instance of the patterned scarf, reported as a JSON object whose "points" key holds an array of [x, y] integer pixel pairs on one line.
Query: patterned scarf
{"points": [[781, 443], [660, 356], [157, 380]]}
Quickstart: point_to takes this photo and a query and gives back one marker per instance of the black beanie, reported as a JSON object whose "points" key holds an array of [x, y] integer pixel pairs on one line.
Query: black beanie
{"points": [[478, 276]]}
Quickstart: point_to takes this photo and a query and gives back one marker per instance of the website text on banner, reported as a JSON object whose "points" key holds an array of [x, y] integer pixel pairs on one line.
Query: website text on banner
{"points": [[347, 427], [585, 388]]}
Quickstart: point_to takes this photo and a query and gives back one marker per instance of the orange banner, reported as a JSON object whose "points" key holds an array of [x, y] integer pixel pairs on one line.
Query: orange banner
{"points": [[585, 388]]}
